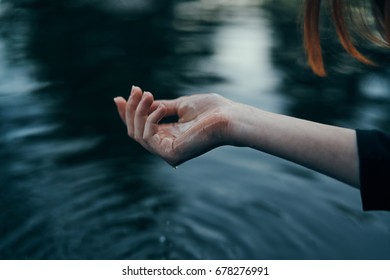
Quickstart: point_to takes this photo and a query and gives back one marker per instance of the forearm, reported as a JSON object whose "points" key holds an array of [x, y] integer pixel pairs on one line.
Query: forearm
{"points": [[327, 149]]}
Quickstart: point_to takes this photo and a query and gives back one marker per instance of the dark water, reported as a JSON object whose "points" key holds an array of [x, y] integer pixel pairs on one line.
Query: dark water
{"points": [[73, 186]]}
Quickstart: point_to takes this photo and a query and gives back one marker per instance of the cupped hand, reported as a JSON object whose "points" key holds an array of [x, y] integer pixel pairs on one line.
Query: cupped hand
{"points": [[202, 124]]}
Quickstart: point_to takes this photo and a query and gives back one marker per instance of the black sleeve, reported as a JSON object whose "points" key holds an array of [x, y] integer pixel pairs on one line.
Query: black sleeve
{"points": [[374, 160]]}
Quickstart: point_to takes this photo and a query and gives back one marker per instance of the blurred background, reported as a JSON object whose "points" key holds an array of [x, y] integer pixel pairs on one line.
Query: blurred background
{"points": [[74, 186]]}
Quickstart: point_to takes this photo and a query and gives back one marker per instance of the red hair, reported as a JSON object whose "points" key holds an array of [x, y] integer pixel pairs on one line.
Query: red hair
{"points": [[345, 17]]}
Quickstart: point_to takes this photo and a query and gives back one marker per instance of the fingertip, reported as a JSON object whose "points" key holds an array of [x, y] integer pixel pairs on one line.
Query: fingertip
{"points": [[120, 103], [162, 107], [154, 106], [119, 100], [136, 89], [148, 93], [136, 93], [148, 96]]}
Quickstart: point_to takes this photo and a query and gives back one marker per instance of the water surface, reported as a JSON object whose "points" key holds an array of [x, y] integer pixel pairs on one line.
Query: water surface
{"points": [[73, 186]]}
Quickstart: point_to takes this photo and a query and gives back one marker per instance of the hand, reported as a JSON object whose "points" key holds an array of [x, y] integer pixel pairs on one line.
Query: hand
{"points": [[202, 123]]}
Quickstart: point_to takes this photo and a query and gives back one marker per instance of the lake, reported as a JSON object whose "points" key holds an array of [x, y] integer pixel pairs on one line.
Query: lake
{"points": [[74, 186]]}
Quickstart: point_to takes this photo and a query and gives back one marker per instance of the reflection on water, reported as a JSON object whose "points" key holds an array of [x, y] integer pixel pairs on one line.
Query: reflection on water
{"points": [[73, 186]]}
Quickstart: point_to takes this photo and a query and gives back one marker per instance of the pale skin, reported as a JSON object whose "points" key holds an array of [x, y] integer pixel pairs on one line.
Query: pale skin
{"points": [[207, 121]]}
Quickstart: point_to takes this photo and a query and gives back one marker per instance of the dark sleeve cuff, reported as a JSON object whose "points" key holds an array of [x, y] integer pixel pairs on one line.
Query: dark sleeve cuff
{"points": [[374, 161]]}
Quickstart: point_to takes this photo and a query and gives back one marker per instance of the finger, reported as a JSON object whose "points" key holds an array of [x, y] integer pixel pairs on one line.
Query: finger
{"points": [[141, 114], [153, 120], [120, 103], [154, 107], [170, 105], [131, 106]]}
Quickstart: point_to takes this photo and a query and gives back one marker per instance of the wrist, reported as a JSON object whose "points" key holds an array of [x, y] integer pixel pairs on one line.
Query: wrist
{"points": [[241, 124]]}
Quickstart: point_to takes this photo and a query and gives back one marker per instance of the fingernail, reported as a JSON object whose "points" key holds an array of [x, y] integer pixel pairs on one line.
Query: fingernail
{"points": [[116, 99], [132, 90], [146, 93]]}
